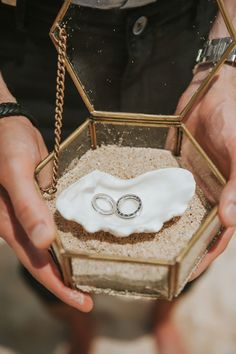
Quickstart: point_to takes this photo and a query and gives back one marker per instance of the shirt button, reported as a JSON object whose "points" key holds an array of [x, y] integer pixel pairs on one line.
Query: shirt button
{"points": [[139, 25]]}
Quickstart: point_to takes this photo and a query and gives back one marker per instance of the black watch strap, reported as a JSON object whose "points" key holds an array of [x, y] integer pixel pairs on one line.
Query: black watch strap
{"points": [[11, 109]]}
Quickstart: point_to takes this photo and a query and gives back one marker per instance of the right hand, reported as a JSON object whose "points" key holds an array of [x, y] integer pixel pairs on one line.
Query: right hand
{"points": [[212, 123], [25, 221]]}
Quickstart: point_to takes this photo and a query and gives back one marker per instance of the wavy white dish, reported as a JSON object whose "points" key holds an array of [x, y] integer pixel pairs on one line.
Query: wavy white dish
{"points": [[165, 193]]}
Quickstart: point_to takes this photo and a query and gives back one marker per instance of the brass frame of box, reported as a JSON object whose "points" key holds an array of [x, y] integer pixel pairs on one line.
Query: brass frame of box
{"points": [[211, 224]]}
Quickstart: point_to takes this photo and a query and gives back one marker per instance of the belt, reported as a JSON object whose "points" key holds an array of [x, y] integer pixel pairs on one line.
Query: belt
{"points": [[112, 4], [9, 2], [101, 4]]}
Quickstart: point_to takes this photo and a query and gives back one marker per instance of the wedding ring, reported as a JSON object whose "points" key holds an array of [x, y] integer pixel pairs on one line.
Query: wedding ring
{"points": [[121, 201], [109, 201]]}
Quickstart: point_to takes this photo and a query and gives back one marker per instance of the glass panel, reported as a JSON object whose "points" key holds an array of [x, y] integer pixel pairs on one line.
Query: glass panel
{"points": [[195, 253], [138, 61], [209, 191], [206, 178], [136, 136], [117, 276], [72, 149]]}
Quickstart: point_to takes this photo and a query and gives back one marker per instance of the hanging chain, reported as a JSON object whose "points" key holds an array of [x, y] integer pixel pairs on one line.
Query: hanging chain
{"points": [[60, 88]]}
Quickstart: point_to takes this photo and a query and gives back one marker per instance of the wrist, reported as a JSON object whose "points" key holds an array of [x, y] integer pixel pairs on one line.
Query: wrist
{"points": [[5, 94], [213, 50], [6, 98], [202, 71], [14, 109]]}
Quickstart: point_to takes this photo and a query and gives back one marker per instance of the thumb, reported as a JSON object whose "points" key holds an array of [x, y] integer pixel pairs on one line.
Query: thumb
{"points": [[227, 207], [29, 207]]}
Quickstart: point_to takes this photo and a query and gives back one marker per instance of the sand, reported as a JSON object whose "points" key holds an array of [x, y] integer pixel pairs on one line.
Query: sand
{"points": [[126, 162]]}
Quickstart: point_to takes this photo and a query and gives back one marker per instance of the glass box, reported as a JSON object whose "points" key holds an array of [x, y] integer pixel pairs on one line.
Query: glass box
{"points": [[104, 271]]}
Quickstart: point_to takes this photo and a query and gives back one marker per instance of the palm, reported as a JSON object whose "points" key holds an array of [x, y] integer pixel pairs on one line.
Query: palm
{"points": [[212, 122], [22, 209]]}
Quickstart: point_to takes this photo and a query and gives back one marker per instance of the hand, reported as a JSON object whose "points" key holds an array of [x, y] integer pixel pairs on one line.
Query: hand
{"points": [[212, 123], [25, 221]]}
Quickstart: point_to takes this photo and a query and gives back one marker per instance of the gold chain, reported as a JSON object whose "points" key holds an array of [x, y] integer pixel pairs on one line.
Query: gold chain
{"points": [[60, 88]]}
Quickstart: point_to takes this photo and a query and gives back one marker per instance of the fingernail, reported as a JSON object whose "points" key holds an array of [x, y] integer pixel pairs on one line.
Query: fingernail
{"points": [[39, 235], [230, 214], [77, 296]]}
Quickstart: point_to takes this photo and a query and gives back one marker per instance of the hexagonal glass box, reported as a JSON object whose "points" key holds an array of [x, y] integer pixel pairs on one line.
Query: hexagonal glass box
{"points": [[142, 265]]}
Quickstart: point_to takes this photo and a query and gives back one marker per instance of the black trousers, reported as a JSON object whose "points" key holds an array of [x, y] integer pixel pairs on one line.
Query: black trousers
{"points": [[138, 73], [123, 70]]}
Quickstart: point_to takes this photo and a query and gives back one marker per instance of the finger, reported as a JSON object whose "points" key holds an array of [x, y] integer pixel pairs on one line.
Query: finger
{"points": [[38, 262], [45, 271], [29, 207], [213, 253], [48, 275], [227, 207]]}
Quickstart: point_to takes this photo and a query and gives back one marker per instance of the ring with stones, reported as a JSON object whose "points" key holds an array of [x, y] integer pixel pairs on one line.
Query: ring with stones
{"points": [[122, 200]]}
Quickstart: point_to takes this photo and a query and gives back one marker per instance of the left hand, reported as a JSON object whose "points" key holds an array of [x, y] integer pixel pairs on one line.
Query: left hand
{"points": [[213, 124], [26, 223]]}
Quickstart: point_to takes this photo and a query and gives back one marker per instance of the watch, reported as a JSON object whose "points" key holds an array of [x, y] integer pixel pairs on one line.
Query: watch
{"points": [[213, 50], [9, 109]]}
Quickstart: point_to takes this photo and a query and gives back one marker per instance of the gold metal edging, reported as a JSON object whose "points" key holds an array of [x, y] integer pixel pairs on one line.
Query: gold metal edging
{"points": [[62, 262], [176, 278], [59, 18], [122, 293], [137, 119], [93, 134], [135, 116], [171, 280], [67, 271], [179, 138], [134, 123], [114, 258]]}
